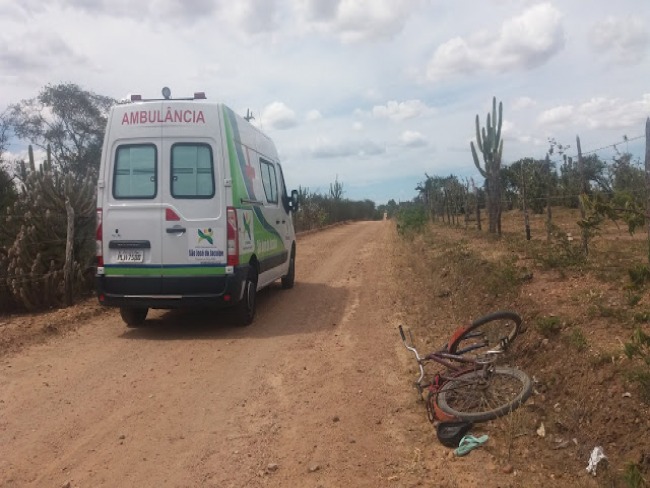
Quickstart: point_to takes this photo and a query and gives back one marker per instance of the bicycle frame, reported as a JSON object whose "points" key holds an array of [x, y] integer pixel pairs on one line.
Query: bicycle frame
{"points": [[447, 359], [455, 364]]}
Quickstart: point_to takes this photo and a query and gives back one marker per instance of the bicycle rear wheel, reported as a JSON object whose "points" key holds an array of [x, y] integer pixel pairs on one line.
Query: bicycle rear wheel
{"points": [[479, 396], [493, 332]]}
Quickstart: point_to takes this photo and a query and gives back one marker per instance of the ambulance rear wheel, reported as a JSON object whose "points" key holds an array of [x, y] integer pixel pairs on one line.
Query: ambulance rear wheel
{"points": [[245, 309], [133, 317]]}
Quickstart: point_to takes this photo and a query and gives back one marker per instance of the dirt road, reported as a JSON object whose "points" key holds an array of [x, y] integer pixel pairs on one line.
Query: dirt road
{"points": [[309, 395]]}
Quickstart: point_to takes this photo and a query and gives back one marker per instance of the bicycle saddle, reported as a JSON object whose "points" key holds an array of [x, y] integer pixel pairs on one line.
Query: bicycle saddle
{"points": [[450, 433]]}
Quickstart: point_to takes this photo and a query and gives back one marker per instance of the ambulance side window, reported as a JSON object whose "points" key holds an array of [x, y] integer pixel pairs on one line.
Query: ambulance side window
{"points": [[283, 191], [135, 173], [192, 171], [269, 181]]}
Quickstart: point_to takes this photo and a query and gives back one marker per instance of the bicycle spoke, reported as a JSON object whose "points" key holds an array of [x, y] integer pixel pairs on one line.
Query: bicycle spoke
{"points": [[484, 395]]}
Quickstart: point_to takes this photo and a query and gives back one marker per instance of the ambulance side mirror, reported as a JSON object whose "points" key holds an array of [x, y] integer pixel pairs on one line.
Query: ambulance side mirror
{"points": [[295, 204]]}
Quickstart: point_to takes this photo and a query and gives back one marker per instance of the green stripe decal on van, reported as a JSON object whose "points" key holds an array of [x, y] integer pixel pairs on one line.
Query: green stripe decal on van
{"points": [[165, 271], [242, 185]]}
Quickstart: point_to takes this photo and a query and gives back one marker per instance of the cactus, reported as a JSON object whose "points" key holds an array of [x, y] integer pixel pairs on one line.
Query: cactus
{"points": [[489, 142], [37, 257]]}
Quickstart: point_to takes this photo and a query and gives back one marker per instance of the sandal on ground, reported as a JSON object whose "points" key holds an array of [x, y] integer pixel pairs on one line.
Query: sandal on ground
{"points": [[468, 443]]}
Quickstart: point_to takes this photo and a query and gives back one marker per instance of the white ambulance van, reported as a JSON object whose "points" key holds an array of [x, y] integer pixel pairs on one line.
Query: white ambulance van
{"points": [[192, 210]]}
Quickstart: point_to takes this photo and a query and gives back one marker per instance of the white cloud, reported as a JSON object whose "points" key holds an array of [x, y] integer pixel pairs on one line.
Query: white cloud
{"points": [[356, 20], [251, 16], [598, 113], [372, 94], [357, 126], [318, 10], [411, 138], [313, 115], [523, 42], [399, 111], [523, 103], [613, 113], [278, 116], [557, 115], [170, 11], [326, 148], [507, 128], [622, 40], [38, 51]]}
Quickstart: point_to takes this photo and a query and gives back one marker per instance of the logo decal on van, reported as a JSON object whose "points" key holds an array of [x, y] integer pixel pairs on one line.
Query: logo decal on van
{"points": [[248, 217], [202, 247], [205, 234], [246, 231]]}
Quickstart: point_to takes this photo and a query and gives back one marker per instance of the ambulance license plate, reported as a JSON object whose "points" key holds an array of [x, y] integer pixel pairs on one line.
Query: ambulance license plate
{"points": [[130, 256]]}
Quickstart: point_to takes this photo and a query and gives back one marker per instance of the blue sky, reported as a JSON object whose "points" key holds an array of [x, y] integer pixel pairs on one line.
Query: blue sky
{"points": [[374, 92]]}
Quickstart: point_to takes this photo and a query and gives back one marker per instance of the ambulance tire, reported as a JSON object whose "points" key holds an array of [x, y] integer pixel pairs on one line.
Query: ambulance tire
{"points": [[133, 317], [289, 278], [245, 309]]}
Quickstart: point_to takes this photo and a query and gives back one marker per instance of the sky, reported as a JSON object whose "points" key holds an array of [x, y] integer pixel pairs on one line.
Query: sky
{"points": [[376, 94]]}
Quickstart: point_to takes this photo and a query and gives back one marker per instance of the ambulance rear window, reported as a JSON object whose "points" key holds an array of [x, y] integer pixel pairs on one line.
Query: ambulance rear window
{"points": [[134, 175], [192, 171]]}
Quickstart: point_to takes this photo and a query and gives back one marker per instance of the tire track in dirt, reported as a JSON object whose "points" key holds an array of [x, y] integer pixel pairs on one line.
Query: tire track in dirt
{"points": [[335, 396]]}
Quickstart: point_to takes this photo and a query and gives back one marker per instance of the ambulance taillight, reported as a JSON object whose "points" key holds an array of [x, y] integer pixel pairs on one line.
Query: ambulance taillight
{"points": [[233, 256], [99, 238]]}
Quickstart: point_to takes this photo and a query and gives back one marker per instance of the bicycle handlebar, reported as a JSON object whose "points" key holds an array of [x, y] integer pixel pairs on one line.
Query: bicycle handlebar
{"points": [[415, 353]]}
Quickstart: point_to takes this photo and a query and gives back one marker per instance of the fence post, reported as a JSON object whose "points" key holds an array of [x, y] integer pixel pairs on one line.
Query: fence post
{"points": [[467, 203], [549, 221], [647, 178], [583, 192], [478, 210], [523, 198], [68, 267]]}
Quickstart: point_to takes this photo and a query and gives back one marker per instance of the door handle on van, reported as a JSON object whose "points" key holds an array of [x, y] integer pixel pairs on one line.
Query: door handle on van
{"points": [[115, 244], [176, 230], [277, 221]]}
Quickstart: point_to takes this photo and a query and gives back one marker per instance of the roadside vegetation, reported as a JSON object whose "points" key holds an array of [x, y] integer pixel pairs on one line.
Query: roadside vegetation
{"points": [[587, 339]]}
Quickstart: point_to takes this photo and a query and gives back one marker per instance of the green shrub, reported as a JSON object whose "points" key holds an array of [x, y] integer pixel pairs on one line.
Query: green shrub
{"points": [[619, 314], [633, 477], [639, 276], [633, 299], [642, 317], [577, 339], [562, 252], [639, 347], [411, 219], [548, 326]]}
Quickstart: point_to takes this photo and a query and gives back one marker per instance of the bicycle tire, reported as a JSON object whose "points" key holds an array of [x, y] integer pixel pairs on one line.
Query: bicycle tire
{"points": [[470, 397], [492, 332]]}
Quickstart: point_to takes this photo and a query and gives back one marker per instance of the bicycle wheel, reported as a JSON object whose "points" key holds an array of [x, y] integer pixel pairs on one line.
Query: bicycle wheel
{"points": [[493, 332], [478, 396]]}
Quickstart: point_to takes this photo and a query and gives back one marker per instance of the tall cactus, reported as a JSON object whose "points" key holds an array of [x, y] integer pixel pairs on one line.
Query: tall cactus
{"points": [[490, 144]]}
